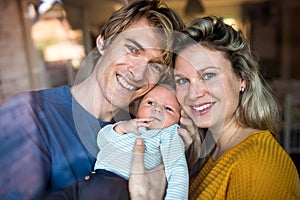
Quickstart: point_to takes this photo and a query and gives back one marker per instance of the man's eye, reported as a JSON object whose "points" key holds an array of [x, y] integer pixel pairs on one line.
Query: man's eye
{"points": [[132, 49], [208, 76], [181, 81], [156, 67]]}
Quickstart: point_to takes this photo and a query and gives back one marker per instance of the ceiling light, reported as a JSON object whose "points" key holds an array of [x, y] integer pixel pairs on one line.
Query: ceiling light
{"points": [[194, 7]]}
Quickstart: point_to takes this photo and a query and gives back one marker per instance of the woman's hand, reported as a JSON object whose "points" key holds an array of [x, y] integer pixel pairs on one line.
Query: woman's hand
{"points": [[187, 129], [145, 184]]}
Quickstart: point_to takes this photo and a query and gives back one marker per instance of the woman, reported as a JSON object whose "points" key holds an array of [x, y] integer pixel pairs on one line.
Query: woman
{"points": [[221, 90]]}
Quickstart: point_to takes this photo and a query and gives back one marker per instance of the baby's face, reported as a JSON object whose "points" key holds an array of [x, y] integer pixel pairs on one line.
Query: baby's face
{"points": [[160, 104]]}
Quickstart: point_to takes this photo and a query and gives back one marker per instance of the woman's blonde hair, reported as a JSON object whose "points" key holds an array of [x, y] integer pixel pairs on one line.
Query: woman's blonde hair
{"points": [[258, 107]]}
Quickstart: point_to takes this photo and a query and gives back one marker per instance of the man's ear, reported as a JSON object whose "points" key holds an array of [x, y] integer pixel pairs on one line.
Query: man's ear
{"points": [[100, 44]]}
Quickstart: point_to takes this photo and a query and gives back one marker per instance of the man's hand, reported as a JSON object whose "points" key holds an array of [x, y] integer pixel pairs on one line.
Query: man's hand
{"points": [[145, 184]]}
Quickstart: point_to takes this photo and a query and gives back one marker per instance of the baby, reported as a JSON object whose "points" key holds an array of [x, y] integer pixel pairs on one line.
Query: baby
{"points": [[157, 121]]}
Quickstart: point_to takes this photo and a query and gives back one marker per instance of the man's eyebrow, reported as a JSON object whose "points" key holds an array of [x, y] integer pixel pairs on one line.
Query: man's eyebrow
{"points": [[136, 43], [157, 60]]}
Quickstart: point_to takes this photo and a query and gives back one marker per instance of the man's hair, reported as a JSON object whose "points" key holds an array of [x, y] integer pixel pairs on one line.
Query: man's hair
{"points": [[158, 16]]}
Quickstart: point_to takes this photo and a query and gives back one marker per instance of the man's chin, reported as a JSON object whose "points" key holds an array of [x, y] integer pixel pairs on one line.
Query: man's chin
{"points": [[118, 104]]}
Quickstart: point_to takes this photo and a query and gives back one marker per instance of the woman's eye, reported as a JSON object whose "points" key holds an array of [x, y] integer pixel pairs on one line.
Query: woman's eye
{"points": [[208, 76], [132, 49], [181, 81]]}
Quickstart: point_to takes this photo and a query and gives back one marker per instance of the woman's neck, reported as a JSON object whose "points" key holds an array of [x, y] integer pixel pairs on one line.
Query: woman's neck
{"points": [[229, 138]]}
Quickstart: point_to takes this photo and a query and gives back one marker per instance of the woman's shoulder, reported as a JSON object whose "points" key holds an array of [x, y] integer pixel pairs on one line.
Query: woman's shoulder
{"points": [[254, 145], [263, 148], [258, 140], [262, 139]]}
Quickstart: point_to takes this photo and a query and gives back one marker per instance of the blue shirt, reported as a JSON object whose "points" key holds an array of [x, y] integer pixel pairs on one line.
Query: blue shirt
{"points": [[47, 142]]}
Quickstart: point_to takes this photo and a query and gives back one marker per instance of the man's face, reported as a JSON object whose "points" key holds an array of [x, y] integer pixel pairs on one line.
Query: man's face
{"points": [[131, 64]]}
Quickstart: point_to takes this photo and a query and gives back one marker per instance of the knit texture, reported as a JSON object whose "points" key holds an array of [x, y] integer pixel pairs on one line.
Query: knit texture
{"points": [[257, 168]]}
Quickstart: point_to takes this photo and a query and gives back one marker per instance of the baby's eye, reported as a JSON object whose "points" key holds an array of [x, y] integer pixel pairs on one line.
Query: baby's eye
{"points": [[151, 103], [169, 109], [208, 76]]}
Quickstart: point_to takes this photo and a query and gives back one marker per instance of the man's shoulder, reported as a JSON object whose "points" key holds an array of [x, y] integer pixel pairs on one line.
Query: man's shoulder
{"points": [[59, 94], [36, 98]]}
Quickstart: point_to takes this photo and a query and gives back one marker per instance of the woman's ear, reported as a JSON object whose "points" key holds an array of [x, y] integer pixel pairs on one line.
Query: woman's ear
{"points": [[243, 86], [244, 83], [100, 44]]}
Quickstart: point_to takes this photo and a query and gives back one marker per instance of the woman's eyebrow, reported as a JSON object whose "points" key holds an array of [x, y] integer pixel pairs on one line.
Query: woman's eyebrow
{"points": [[200, 71], [209, 67], [177, 74], [135, 43]]}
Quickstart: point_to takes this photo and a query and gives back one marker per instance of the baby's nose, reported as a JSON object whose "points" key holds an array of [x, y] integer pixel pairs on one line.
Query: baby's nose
{"points": [[158, 109]]}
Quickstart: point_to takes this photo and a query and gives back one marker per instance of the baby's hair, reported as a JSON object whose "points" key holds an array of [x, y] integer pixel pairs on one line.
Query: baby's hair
{"points": [[169, 85]]}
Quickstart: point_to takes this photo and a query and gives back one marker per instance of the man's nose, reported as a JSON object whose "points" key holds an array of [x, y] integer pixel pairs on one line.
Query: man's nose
{"points": [[138, 69]]}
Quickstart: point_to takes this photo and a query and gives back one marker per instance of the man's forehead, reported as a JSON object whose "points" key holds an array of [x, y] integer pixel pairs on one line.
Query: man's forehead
{"points": [[145, 37]]}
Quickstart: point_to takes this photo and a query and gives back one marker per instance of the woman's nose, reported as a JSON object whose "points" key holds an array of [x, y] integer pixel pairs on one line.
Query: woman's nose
{"points": [[197, 89]]}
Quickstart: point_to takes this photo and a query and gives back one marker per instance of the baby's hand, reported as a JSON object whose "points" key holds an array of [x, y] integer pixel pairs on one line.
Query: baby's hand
{"points": [[131, 126]]}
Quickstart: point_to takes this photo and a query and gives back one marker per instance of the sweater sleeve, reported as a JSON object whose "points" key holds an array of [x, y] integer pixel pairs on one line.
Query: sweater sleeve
{"points": [[172, 149], [267, 174]]}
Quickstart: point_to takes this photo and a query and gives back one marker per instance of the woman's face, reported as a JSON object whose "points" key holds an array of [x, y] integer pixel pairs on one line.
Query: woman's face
{"points": [[206, 86]]}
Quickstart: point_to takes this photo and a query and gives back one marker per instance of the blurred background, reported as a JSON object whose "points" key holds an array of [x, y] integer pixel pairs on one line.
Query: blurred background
{"points": [[42, 44]]}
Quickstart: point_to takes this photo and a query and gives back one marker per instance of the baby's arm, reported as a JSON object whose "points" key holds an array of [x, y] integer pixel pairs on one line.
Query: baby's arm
{"points": [[131, 126], [173, 153]]}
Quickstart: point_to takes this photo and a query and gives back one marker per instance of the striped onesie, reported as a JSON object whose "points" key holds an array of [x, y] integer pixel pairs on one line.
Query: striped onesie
{"points": [[161, 146]]}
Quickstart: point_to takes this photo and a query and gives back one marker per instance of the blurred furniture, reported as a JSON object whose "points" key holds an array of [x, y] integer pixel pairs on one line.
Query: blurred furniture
{"points": [[291, 136]]}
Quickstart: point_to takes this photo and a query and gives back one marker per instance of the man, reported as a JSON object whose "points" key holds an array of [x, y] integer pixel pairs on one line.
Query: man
{"points": [[48, 137]]}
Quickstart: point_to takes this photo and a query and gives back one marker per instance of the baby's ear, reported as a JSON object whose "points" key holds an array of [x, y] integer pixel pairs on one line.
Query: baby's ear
{"points": [[100, 44]]}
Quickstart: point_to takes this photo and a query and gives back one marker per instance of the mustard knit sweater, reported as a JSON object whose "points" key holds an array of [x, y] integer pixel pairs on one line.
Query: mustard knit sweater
{"points": [[257, 168]]}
